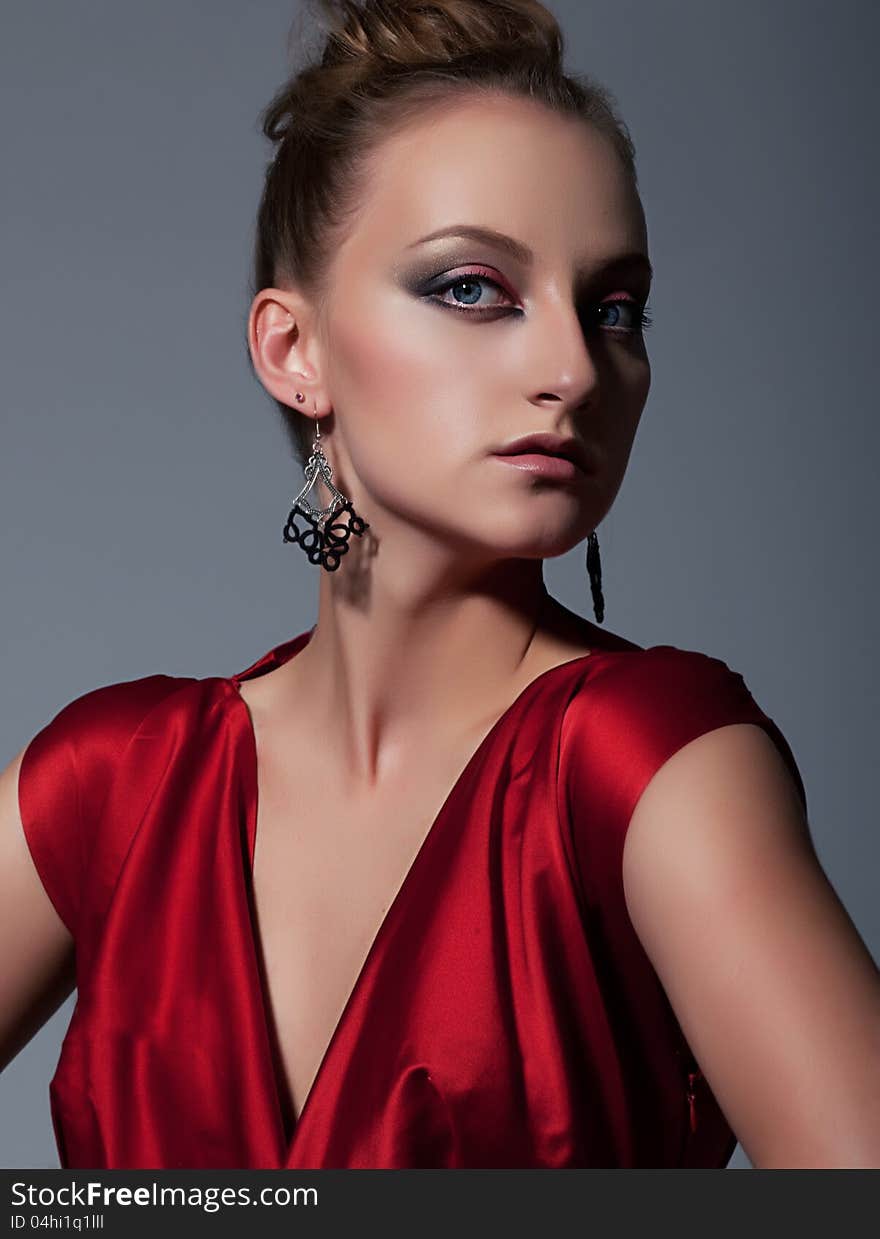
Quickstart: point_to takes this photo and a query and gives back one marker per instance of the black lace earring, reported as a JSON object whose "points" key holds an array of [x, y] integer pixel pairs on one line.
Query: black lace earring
{"points": [[327, 538], [594, 568]]}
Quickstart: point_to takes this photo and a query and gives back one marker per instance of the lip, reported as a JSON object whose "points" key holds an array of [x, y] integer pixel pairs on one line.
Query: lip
{"points": [[542, 464], [547, 454]]}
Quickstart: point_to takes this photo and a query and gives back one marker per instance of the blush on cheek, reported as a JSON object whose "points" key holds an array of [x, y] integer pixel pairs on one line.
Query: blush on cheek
{"points": [[385, 358], [392, 368]]}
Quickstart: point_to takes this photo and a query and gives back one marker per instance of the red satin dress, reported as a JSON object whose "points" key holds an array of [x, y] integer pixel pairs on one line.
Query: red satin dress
{"points": [[506, 1014]]}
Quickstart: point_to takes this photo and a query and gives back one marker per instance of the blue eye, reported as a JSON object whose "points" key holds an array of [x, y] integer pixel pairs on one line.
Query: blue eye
{"points": [[643, 320], [471, 284]]}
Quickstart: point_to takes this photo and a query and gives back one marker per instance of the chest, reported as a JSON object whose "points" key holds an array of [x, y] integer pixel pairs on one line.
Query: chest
{"points": [[477, 1035], [327, 868]]}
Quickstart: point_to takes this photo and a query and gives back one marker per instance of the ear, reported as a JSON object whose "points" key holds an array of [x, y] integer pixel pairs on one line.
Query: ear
{"points": [[284, 348]]}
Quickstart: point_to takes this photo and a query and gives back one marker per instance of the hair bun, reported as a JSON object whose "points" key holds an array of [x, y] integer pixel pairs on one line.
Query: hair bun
{"points": [[409, 33], [383, 38]]}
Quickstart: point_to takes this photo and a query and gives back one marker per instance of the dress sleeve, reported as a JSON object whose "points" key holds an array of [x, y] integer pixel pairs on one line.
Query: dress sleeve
{"points": [[635, 712], [64, 776]]}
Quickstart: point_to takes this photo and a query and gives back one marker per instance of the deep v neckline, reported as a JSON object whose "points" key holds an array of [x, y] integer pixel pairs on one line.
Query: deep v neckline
{"points": [[274, 658]]}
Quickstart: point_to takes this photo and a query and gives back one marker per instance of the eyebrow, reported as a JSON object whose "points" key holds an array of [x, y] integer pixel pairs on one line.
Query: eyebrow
{"points": [[520, 251]]}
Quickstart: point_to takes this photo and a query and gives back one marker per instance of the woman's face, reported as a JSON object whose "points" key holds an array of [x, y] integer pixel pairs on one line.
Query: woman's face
{"points": [[436, 352]]}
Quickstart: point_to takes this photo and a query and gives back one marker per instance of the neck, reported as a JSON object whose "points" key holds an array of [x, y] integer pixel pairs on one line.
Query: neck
{"points": [[416, 656]]}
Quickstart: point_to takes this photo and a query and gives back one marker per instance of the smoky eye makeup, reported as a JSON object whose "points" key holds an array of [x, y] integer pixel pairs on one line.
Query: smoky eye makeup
{"points": [[456, 282], [485, 289], [431, 269], [475, 278]]}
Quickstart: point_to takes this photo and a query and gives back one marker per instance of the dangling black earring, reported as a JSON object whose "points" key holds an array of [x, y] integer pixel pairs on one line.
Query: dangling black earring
{"points": [[327, 540], [594, 568]]}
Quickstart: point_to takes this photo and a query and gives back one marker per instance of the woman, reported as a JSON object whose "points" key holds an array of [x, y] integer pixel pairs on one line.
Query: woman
{"points": [[456, 878]]}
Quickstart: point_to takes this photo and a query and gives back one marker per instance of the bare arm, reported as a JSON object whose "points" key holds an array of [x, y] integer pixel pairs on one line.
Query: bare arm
{"points": [[38, 963], [772, 985]]}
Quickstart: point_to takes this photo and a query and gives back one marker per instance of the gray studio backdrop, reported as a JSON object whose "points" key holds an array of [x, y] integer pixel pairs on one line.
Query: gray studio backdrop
{"points": [[144, 478]]}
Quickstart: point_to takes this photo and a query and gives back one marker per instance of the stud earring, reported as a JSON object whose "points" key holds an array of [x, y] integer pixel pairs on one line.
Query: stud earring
{"points": [[594, 568], [327, 539]]}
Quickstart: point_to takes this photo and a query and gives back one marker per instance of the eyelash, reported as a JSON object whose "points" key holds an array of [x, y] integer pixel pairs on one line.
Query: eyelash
{"points": [[644, 319]]}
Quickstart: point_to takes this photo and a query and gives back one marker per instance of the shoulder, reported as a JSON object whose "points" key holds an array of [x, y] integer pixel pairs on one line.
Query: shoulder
{"points": [[637, 706], [641, 678], [70, 759], [96, 726], [635, 710], [66, 772]]}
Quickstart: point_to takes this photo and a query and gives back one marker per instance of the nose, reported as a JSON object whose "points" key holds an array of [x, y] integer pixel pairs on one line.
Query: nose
{"points": [[559, 361]]}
